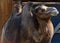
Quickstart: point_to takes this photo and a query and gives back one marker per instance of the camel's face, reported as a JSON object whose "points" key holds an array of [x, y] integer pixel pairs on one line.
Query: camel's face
{"points": [[19, 7], [44, 11]]}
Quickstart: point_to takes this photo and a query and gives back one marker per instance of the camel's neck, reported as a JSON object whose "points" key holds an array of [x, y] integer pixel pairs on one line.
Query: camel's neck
{"points": [[43, 22]]}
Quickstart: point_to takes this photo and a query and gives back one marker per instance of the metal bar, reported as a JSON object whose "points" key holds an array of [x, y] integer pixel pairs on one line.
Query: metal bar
{"points": [[44, 2]]}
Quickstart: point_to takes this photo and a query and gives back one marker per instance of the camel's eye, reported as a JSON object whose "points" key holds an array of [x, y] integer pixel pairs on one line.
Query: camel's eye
{"points": [[42, 10]]}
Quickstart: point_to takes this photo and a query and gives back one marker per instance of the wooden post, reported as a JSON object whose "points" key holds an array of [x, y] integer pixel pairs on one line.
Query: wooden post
{"points": [[5, 10]]}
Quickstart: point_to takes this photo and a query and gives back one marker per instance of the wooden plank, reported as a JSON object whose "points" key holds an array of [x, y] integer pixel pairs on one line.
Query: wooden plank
{"points": [[5, 10], [44, 2]]}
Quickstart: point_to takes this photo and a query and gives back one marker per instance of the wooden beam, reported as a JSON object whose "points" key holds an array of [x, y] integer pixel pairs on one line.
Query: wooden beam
{"points": [[44, 2]]}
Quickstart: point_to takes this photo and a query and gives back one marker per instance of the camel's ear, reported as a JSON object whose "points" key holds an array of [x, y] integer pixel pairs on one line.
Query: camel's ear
{"points": [[33, 10]]}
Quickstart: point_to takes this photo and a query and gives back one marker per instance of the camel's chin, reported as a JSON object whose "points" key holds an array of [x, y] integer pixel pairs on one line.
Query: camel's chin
{"points": [[53, 14]]}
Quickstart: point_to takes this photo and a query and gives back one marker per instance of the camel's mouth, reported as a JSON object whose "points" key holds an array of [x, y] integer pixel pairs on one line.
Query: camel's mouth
{"points": [[52, 10]]}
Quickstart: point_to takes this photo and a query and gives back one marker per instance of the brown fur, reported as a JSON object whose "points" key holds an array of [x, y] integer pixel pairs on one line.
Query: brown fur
{"points": [[45, 29]]}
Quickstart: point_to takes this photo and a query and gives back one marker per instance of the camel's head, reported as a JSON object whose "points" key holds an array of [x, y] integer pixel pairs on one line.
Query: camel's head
{"points": [[43, 11], [19, 7]]}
